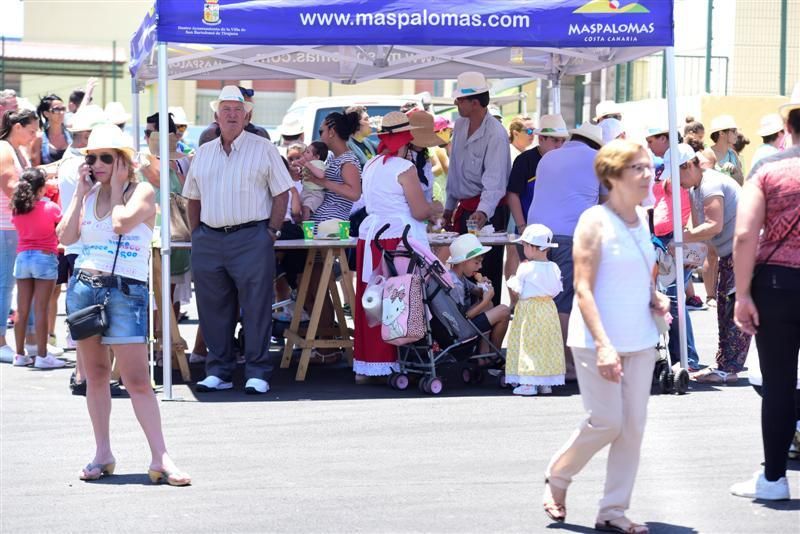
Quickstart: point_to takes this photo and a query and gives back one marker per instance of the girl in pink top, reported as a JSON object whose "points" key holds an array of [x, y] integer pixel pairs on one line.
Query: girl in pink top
{"points": [[36, 266]]}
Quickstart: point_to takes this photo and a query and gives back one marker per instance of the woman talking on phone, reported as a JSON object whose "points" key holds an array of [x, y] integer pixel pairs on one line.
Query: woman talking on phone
{"points": [[113, 215]]}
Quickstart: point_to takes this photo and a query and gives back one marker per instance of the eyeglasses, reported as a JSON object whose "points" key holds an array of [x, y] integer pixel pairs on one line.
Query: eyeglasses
{"points": [[639, 167], [528, 131], [91, 159], [617, 116], [58, 109]]}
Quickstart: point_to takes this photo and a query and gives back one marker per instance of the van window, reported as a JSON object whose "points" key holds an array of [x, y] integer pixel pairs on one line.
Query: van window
{"points": [[374, 111]]}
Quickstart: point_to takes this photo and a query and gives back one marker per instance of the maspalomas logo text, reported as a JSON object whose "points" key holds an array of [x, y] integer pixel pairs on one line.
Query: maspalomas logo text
{"points": [[610, 32]]}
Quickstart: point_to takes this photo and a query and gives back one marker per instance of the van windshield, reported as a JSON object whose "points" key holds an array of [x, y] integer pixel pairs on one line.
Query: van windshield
{"points": [[374, 111]]}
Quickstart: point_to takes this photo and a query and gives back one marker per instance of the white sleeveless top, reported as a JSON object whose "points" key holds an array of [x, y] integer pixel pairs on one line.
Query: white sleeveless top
{"points": [[386, 203], [5, 202], [100, 244], [621, 288]]}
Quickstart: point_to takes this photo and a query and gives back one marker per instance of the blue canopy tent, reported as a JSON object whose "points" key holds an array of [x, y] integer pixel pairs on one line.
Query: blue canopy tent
{"points": [[352, 41]]}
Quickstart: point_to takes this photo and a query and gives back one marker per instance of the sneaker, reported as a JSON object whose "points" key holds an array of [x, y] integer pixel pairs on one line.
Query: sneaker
{"points": [[712, 302], [69, 342], [759, 487], [545, 390], [52, 350], [525, 389], [7, 354], [12, 318], [256, 386], [49, 362], [213, 383], [196, 358], [695, 303], [20, 360]]}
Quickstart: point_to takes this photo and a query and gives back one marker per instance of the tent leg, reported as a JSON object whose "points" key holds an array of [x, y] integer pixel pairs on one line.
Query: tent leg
{"points": [[163, 152], [672, 111], [555, 94]]}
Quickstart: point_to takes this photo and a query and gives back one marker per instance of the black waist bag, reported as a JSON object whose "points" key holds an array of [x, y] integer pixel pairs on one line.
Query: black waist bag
{"points": [[89, 321]]}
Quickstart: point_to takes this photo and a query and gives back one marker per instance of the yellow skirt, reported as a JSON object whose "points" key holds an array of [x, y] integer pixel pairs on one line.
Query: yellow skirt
{"points": [[535, 352]]}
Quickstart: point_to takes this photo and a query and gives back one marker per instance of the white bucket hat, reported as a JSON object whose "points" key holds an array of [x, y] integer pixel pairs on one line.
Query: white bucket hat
{"points": [[116, 113], [770, 124], [469, 84], [590, 131], [537, 235], [87, 117], [723, 122], [178, 116], [110, 137], [612, 128], [607, 107], [658, 129], [290, 127], [231, 93], [794, 102], [685, 153], [552, 126], [466, 247]]}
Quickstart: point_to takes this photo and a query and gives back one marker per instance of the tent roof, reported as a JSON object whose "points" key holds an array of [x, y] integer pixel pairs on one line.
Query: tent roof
{"points": [[352, 41]]}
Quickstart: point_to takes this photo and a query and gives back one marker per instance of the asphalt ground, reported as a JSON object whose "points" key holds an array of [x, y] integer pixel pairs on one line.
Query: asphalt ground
{"points": [[327, 455]]}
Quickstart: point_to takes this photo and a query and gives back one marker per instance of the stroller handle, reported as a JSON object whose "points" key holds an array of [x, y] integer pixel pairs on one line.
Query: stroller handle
{"points": [[385, 227]]}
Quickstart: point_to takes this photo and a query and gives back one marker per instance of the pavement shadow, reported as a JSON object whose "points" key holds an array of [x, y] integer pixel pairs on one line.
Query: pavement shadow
{"points": [[655, 528], [788, 506], [130, 479]]}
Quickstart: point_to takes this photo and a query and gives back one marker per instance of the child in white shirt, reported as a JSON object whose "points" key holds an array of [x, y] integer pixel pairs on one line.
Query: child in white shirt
{"points": [[313, 163]]}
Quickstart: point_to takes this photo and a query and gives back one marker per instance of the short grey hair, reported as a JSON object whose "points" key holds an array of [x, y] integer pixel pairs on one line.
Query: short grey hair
{"points": [[6, 95]]}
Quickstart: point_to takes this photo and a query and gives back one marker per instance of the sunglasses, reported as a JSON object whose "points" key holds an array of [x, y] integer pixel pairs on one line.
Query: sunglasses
{"points": [[182, 128], [91, 159], [613, 116], [58, 109], [528, 131], [247, 92]]}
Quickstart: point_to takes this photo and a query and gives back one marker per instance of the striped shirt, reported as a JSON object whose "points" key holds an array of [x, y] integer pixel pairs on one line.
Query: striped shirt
{"points": [[336, 206], [236, 188]]}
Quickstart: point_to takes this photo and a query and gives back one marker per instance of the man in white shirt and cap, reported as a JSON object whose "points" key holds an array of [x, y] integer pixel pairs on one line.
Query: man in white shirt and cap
{"points": [[237, 188], [480, 162]]}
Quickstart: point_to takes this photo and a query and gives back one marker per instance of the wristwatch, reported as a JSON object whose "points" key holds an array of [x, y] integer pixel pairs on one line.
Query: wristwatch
{"points": [[276, 233]]}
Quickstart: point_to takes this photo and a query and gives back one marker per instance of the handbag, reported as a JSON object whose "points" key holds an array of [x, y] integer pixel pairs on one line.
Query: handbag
{"points": [[179, 227]]}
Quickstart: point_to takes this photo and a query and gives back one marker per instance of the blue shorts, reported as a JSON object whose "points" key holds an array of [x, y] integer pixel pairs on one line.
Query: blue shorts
{"points": [[36, 264], [562, 256], [127, 314]]}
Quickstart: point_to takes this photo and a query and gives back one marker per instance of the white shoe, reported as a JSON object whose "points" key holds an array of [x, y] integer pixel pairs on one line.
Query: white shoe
{"points": [[52, 350], [759, 487], [196, 358], [545, 390], [213, 383], [20, 360], [256, 386], [7, 354], [49, 362], [525, 389]]}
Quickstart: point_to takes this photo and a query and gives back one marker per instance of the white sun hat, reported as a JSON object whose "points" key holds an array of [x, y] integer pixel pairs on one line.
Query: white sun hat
{"points": [[590, 131], [607, 107], [552, 126], [684, 153], [109, 137], [612, 128], [230, 93], [770, 124], [466, 247], [470, 83], [116, 113], [291, 127], [794, 102], [178, 116], [537, 235], [87, 117], [722, 122]]}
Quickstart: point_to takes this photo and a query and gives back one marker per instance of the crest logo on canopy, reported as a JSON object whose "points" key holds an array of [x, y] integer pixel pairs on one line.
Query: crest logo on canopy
{"points": [[211, 13], [610, 7]]}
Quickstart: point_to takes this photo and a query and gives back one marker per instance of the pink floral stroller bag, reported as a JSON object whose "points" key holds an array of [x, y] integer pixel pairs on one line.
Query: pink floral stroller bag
{"points": [[403, 313]]}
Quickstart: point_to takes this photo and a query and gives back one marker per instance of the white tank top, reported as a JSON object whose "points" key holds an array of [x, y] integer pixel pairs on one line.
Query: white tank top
{"points": [[5, 202], [621, 288], [100, 243]]}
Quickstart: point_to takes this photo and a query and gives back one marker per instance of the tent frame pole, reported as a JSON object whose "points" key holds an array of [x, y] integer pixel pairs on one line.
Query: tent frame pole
{"points": [[672, 111]]}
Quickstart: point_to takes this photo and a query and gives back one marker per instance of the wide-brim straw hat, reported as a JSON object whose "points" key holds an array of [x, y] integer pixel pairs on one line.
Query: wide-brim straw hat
{"points": [[770, 124], [231, 93], [794, 102], [423, 134], [87, 117], [395, 122], [173, 146], [470, 83], [116, 113], [722, 122], [590, 131], [291, 127], [466, 247], [552, 126], [107, 137], [606, 107], [178, 116]]}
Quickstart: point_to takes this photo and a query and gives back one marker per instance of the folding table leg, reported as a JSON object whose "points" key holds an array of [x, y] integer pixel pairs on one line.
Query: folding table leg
{"points": [[316, 312], [305, 280]]}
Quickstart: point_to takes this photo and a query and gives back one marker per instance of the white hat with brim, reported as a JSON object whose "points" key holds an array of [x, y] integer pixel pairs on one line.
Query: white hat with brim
{"points": [[395, 122], [794, 103], [116, 113], [537, 235], [657, 130], [87, 117], [329, 228], [291, 128], [178, 116], [607, 107], [470, 84], [723, 122], [590, 131], [230, 93], [465, 247], [770, 124], [612, 128], [107, 137], [552, 126], [685, 153]]}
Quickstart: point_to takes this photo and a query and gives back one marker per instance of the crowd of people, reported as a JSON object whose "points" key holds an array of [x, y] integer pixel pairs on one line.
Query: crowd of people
{"points": [[590, 205]]}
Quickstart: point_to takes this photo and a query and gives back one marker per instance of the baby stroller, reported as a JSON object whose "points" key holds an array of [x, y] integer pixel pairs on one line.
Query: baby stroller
{"points": [[664, 377], [449, 338]]}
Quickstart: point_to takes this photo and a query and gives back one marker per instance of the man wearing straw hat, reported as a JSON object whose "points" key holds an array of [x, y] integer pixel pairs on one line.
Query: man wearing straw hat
{"points": [[238, 190], [772, 135], [480, 161], [212, 132]]}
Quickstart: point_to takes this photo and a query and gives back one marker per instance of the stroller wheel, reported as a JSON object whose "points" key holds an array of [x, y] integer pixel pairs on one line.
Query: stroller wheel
{"points": [[501, 381], [466, 375], [665, 380], [423, 384], [435, 386], [661, 365], [401, 382], [681, 381]]}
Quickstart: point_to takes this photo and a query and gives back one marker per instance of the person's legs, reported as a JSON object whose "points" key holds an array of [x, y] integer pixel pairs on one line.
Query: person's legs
{"points": [[562, 256], [25, 290], [733, 343], [674, 340], [52, 311], [8, 253], [97, 372], [623, 455], [43, 291], [499, 316], [710, 273]]}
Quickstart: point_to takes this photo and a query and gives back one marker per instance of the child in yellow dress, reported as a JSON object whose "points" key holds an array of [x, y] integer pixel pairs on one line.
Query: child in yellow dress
{"points": [[535, 356]]}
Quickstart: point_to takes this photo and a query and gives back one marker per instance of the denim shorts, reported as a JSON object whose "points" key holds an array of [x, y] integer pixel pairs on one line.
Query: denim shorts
{"points": [[36, 264], [127, 314]]}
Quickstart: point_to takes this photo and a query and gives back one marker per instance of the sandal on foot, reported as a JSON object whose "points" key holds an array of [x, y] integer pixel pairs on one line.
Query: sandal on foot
{"points": [[102, 469], [173, 478], [629, 528], [554, 510], [715, 376]]}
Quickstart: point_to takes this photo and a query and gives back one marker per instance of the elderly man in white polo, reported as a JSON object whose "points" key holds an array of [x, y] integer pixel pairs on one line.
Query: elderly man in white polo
{"points": [[480, 162], [237, 190]]}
